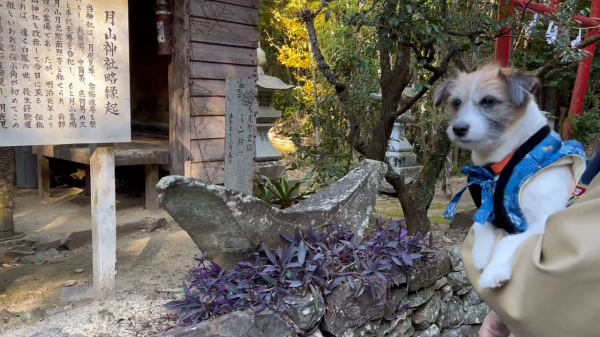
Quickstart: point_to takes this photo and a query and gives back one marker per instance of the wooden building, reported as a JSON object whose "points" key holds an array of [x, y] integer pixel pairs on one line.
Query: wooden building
{"points": [[178, 100]]}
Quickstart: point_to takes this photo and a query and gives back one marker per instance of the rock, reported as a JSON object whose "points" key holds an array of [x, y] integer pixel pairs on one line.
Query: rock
{"points": [[47, 242], [455, 253], [400, 327], [458, 280], [79, 271], [35, 315], [476, 314], [227, 224], [425, 275], [6, 316], [455, 313], [350, 311], [471, 298], [463, 219], [440, 283], [48, 256], [236, 324], [151, 224], [106, 317], [76, 293], [442, 321], [369, 329], [428, 314], [463, 331], [421, 297], [70, 283], [305, 312], [398, 297], [438, 234], [16, 247], [432, 331], [316, 333], [446, 293], [464, 290]]}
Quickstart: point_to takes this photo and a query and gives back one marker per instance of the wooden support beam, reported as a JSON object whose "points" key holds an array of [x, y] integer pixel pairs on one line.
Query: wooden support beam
{"points": [[104, 220], [151, 181], [43, 177], [179, 91]]}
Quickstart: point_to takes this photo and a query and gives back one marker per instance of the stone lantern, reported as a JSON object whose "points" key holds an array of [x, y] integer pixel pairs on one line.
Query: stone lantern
{"points": [[400, 152], [267, 157]]}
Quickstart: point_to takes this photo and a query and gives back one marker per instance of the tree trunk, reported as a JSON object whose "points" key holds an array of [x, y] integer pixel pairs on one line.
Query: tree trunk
{"points": [[416, 217], [7, 173]]}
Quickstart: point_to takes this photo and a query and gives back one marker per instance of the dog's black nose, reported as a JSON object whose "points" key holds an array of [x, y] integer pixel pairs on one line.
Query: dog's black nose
{"points": [[460, 130]]}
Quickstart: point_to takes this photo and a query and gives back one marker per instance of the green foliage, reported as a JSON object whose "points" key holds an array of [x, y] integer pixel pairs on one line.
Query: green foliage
{"points": [[586, 127], [278, 191]]}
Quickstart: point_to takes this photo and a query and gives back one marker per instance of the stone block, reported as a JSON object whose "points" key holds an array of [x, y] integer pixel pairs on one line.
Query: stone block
{"points": [[227, 224]]}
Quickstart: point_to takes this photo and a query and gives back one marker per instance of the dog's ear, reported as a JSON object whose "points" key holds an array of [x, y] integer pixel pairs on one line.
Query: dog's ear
{"points": [[519, 86], [441, 93]]}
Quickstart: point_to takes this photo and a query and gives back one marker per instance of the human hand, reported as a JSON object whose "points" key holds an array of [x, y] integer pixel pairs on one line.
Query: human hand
{"points": [[493, 327]]}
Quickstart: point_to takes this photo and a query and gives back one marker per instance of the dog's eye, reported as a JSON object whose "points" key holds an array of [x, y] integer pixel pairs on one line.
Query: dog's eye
{"points": [[488, 101], [456, 103]]}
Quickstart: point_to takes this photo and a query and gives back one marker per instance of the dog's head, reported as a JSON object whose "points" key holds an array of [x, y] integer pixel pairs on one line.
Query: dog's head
{"points": [[485, 104]]}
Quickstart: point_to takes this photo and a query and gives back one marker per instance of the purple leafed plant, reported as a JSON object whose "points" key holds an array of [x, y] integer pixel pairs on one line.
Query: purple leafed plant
{"points": [[311, 261]]}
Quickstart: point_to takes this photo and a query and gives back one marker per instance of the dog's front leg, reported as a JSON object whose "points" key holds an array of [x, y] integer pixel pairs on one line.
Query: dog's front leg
{"points": [[485, 237], [499, 269]]}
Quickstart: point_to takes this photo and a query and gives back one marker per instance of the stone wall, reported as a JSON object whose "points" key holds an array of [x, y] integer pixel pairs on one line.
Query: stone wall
{"points": [[441, 303]]}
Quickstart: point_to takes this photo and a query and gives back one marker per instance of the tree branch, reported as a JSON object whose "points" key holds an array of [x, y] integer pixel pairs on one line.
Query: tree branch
{"points": [[438, 72], [307, 17]]}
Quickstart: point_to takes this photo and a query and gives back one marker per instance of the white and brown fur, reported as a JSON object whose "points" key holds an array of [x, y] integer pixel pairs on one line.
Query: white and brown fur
{"points": [[497, 108]]}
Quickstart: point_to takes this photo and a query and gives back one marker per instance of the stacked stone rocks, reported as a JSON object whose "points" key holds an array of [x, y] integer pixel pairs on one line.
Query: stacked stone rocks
{"points": [[441, 301]]}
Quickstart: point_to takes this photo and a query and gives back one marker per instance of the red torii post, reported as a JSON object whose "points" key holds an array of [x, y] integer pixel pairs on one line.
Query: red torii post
{"points": [[503, 46]]}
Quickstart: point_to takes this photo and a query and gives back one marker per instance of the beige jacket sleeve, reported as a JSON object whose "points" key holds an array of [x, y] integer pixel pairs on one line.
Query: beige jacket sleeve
{"points": [[555, 287]]}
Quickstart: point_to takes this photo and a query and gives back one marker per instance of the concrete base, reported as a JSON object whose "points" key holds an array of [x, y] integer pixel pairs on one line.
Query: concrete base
{"points": [[410, 173], [271, 169]]}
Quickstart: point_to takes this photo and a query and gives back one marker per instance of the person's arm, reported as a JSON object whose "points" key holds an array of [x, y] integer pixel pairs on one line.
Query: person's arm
{"points": [[555, 284], [493, 327]]}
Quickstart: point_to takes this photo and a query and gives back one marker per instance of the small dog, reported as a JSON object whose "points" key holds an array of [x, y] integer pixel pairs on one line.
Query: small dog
{"points": [[493, 113]]}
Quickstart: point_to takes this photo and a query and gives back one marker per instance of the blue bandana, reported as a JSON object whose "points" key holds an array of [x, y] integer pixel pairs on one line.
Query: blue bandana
{"points": [[477, 175]]}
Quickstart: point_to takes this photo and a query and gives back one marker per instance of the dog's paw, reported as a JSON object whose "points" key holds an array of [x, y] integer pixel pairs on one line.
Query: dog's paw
{"points": [[481, 255], [495, 274]]}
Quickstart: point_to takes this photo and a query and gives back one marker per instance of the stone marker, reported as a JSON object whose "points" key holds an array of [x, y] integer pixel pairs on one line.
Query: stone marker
{"points": [[228, 224], [241, 108]]}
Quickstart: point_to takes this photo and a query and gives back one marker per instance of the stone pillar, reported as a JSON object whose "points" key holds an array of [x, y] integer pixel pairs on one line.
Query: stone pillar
{"points": [[267, 157]]}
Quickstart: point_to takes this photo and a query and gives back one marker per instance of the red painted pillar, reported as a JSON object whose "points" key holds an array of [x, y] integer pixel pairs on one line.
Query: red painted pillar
{"points": [[583, 73], [503, 45]]}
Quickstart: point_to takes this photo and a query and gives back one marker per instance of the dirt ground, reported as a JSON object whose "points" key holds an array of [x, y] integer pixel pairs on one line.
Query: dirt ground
{"points": [[151, 267], [59, 282]]}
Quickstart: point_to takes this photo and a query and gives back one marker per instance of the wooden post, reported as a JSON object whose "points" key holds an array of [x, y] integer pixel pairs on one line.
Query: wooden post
{"points": [[583, 73], [151, 181], [7, 169], [241, 108], [104, 220], [179, 91], [43, 177]]}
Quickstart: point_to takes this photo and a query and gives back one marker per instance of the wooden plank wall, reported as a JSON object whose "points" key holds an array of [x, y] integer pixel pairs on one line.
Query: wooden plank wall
{"points": [[223, 42]]}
